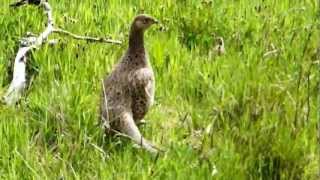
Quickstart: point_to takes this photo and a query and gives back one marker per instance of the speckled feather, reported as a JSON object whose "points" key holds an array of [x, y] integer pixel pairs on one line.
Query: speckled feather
{"points": [[130, 87]]}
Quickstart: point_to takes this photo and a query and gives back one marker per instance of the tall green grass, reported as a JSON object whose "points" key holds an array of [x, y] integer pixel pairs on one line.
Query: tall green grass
{"points": [[238, 116]]}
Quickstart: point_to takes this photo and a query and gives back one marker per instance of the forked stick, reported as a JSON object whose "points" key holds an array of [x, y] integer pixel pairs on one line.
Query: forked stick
{"points": [[27, 44]]}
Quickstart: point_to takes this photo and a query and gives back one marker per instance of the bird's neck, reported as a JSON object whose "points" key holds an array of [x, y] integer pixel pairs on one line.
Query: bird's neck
{"points": [[136, 41]]}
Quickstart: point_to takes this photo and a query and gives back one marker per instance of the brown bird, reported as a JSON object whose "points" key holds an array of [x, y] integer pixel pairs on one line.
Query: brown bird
{"points": [[128, 91], [218, 49], [220, 46]]}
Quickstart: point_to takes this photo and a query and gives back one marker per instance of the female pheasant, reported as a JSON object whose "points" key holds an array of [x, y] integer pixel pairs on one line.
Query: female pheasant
{"points": [[128, 91]]}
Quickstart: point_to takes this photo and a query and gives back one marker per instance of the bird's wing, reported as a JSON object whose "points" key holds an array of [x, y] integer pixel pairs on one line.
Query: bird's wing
{"points": [[143, 79]]}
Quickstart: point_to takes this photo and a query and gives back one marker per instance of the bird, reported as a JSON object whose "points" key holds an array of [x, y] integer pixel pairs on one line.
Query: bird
{"points": [[128, 91], [219, 48], [23, 2]]}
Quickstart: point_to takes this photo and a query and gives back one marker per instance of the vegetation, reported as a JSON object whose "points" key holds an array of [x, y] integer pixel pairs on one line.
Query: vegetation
{"points": [[242, 115]]}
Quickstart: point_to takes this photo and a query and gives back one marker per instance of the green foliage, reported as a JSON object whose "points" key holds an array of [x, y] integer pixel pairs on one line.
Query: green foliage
{"points": [[237, 116]]}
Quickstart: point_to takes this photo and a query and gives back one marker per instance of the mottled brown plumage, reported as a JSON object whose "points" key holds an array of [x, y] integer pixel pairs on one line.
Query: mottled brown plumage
{"points": [[128, 91]]}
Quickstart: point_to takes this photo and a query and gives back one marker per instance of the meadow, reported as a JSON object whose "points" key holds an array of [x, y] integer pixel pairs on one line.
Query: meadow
{"points": [[243, 115]]}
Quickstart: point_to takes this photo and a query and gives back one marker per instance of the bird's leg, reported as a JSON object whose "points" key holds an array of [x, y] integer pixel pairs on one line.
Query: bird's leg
{"points": [[128, 127]]}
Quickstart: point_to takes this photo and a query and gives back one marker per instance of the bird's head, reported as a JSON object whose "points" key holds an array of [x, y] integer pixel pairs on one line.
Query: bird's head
{"points": [[219, 41], [143, 22]]}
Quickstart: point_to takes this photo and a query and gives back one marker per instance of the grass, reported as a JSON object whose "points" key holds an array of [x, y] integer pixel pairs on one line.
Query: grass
{"points": [[238, 116]]}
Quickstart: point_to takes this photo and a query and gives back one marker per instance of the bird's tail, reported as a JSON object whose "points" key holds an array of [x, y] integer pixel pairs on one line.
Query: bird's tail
{"points": [[129, 128]]}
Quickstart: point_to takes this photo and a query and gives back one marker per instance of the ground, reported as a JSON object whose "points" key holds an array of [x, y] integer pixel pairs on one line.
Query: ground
{"points": [[243, 115]]}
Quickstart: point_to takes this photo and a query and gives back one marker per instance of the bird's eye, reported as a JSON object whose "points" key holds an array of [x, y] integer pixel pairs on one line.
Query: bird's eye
{"points": [[145, 21]]}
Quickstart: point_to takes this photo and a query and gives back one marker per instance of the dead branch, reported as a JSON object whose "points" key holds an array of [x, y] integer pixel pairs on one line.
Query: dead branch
{"points": [[87, 38], [31, 42], [18, 82]]}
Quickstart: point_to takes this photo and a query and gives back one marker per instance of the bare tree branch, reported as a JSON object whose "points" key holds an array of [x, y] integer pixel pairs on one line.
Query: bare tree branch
{"points": [[31, 42], [18, 82], [87, 38]]}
